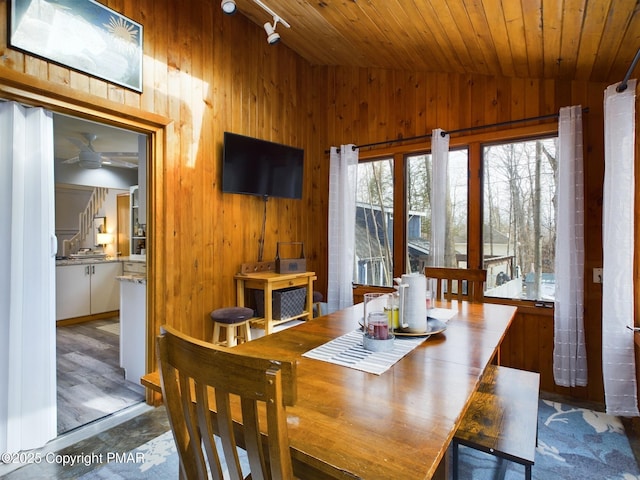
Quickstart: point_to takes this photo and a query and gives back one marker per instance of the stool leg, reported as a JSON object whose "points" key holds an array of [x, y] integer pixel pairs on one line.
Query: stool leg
{"points": [[232, 339], [244, 332], [216, 333]]}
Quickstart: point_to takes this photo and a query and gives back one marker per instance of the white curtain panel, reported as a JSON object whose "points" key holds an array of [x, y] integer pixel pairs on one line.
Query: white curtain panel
{"points": [[569, 352], [439, 195], [27, 279], [343, 169], [618, 361]]}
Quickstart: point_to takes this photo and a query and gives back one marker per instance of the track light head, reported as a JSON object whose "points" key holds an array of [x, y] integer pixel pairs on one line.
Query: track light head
{"points": [[273, 37], [228, 7]]}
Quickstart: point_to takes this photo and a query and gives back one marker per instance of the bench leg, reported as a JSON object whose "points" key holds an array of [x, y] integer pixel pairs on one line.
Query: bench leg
{"points": [[455, 460], [501, 472], [527, 472]]}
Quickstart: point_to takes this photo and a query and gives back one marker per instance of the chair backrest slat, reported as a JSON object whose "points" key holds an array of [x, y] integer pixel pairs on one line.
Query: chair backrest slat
{"points": [[250, 395], [458, 283]]}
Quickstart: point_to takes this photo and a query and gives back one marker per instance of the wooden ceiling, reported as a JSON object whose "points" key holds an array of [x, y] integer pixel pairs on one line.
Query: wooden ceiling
{"points": [[592, 40]]}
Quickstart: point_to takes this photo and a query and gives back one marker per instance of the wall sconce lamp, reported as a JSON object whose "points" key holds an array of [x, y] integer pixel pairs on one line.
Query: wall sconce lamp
{"points": [[228, 7], [104, 239]]}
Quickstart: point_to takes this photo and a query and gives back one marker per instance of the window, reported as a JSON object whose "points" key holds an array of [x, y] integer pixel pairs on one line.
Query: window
{"points": [[500, 211], [374, 223], [519, 219], [419, 210]]}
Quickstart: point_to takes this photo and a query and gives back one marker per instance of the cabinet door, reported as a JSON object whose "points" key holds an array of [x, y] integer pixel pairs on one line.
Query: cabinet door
{"points": [[73, 287], [105, 289]]}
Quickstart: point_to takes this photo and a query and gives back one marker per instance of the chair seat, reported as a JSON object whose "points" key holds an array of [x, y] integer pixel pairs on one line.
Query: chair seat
{"points": [[231, 315]]}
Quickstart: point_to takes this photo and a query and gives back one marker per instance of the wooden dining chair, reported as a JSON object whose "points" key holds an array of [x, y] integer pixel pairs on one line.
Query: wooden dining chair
{"points": [[198, 377], [458, 283]]}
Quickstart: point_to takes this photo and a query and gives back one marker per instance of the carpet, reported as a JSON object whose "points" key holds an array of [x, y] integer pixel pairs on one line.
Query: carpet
{"points": [[573, 443]]}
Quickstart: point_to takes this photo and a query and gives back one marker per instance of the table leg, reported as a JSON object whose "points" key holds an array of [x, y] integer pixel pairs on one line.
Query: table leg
{"points": [[240, 293], [310, 298], [268, 310]]}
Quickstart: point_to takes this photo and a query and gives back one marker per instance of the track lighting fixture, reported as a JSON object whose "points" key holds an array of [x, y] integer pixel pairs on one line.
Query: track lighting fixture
{"points": [[272, 35], [228, 7]]}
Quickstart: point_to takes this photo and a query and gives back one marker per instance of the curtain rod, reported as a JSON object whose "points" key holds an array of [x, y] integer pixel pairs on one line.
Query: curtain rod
{"points": [[623, 85], [460, 130]]}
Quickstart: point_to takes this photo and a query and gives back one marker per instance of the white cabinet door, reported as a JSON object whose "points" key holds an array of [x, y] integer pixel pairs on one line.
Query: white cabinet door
{"points": [[73, 291], [105, 289]]}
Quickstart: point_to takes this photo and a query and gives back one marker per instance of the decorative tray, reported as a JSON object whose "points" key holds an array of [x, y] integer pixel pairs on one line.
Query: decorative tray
{"points": [[434, 326]]}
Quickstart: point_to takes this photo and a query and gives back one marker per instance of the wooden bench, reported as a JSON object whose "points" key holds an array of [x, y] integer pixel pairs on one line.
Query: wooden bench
{"points": [[502, 419]]}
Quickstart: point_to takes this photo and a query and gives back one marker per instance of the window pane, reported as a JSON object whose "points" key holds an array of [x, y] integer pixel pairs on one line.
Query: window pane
{"points": [[520, 219], [419, 210], [374, 223]]}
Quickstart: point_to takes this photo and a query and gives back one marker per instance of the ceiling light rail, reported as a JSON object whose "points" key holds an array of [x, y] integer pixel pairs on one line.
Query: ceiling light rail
{"points": [[229, 7]]}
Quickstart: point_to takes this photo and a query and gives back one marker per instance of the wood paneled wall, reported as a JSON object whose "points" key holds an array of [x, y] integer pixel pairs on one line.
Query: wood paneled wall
{"points": [[205, 73]]}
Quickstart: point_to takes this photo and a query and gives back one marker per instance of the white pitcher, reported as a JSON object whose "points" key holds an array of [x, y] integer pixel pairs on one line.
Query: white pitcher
{"points": [[412, 288]]}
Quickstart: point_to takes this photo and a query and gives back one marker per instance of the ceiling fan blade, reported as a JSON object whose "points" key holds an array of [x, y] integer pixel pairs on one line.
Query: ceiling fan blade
{"points": [[80, 144], [71, 160], [120, 154], [117, 162]]}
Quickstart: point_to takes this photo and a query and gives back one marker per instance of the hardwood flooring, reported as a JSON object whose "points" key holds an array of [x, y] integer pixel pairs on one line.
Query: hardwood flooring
{"points": [[91, 384]]}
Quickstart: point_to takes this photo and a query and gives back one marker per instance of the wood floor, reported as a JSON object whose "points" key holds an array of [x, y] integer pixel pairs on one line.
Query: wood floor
{"points": [[91, 384]]}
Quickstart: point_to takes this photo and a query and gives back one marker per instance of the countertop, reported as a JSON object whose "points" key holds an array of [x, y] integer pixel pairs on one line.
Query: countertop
{"points": [[62, 261], [132, 278]]}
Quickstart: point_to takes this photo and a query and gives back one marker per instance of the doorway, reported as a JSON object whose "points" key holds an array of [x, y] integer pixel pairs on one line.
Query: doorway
{"points": [[92, 157]]}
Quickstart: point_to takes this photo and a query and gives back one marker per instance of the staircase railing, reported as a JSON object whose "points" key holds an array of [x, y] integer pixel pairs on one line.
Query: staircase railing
{"points": [[85, 220]]}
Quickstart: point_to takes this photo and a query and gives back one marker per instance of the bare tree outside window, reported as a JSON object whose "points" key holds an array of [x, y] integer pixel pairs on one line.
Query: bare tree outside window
{"points": [[419, 198], [520, 219], [374, 223]]}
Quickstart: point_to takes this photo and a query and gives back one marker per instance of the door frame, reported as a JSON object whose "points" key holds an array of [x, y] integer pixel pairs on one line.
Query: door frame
{"points": [[34, 92]]}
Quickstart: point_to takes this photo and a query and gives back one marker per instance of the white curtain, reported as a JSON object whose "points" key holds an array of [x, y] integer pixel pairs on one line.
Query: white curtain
{"points": [[618, 361], [343, 169], [439, 195], [27, 279], [569, 352]]}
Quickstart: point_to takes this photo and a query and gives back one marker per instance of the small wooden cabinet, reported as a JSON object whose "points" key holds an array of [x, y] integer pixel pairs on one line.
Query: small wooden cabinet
{"points": [[270, 281], [87, 289]]}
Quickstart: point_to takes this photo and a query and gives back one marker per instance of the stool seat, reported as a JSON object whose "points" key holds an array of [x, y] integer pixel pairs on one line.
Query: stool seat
{"points": [[236, 321], [231, 314]]}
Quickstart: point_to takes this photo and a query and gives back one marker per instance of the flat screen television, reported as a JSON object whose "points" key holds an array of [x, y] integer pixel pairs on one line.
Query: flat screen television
{"points": [[257, 167]]}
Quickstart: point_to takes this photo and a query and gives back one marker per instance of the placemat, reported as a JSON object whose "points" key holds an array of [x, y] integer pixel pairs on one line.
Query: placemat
{"points": [[348, 351]]}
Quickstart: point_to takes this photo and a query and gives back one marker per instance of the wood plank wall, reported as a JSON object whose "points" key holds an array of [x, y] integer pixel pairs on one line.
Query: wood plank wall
{"points": [[205, 73]]}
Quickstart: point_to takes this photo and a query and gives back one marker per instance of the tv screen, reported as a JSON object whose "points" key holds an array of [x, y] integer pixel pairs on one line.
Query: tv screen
{"points": [[258, 167]]}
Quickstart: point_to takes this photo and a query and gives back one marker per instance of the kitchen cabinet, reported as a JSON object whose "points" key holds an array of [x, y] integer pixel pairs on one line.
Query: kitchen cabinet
{"points": [[87, 289], [138, 242]]}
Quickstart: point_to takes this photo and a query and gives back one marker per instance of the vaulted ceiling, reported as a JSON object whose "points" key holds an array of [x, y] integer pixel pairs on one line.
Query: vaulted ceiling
{"points": [[570, 39]]}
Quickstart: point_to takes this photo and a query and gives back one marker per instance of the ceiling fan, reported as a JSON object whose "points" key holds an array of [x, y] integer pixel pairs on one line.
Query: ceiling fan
{"points": [[88, 157]]}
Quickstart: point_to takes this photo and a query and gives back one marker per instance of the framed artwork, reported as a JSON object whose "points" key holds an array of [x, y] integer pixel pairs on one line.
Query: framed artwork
{"points": [[80, 34]]}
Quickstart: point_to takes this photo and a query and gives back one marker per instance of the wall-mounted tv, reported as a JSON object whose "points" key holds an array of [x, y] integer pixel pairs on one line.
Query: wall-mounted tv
{"points": [[257, 167]]}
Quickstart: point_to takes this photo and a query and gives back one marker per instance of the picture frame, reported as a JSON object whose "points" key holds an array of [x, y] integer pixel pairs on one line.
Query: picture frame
{"points": [[80, 34]]}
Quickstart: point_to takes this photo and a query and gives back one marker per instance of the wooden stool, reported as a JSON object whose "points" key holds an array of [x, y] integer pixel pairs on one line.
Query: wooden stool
{"points": [[236, 322], [317, 303]]}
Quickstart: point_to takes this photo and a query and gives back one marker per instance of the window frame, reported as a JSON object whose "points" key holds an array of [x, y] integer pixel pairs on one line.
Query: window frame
{"points": [[474, 143]]}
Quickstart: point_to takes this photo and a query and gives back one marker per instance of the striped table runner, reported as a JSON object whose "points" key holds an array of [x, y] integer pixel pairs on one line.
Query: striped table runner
{"points": [[348, 351]]}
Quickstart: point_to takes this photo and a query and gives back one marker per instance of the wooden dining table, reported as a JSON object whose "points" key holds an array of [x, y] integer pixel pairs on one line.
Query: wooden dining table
{"points": [[347, 423]]}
